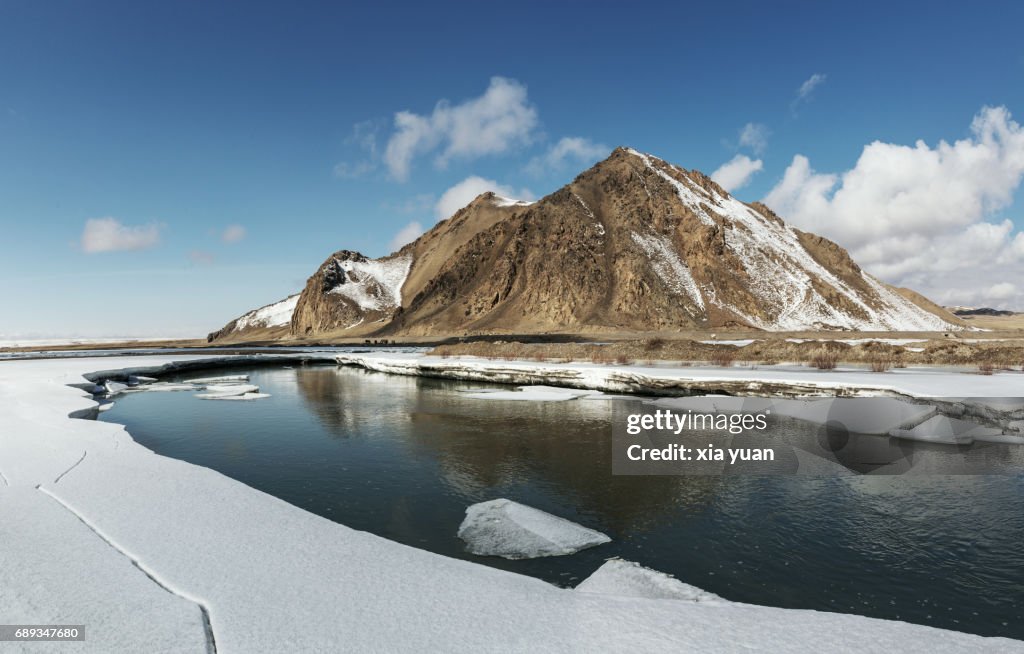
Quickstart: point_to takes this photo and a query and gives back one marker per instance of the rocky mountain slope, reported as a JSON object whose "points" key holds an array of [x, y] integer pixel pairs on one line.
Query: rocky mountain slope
{"points": [[634, 243]]}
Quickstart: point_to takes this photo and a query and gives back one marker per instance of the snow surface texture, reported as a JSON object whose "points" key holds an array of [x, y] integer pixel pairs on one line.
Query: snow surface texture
{"points": [[148, 550], [277, 314], [375, 284], [781, 272], [514, 531], [629, 579]]}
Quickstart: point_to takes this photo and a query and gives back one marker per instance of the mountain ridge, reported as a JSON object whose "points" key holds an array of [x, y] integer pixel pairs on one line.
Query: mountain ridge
{"points": [[634, 243]]}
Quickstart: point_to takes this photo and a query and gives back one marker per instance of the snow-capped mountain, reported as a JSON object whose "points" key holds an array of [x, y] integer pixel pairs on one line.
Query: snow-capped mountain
{"points": [[633, 243]]}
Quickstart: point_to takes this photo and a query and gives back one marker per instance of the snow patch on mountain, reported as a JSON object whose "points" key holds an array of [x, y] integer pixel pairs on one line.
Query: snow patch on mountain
{"points": [[669, 266], [375, 284], [277, 314]]}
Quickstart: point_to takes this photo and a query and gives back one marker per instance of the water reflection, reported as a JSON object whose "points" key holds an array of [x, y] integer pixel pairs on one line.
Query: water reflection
{"points": [[480, 445]]}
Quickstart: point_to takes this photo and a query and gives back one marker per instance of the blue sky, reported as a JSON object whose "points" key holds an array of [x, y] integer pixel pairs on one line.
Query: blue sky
{"points": [[181, 120]]}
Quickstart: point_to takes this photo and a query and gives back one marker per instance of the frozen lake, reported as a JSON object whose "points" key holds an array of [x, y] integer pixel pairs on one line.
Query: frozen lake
{"points": [[402, 457]]}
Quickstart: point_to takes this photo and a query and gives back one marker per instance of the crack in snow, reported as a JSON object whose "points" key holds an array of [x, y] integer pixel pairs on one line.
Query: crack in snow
{"points": [[4, 479], [211, 641], [73, 466]]}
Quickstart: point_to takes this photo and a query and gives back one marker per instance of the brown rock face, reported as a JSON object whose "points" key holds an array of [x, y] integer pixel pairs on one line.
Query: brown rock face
{"points": [[633, 243]]}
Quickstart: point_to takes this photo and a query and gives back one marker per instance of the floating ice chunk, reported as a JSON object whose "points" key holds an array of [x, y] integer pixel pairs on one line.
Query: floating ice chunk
{"points": [[167, 387], [514, 531], [113, 387], [243, 397], [216, 392], [136, 380], [226, 379], [940, 429], [106, 406], [533, 394], [629, 579]]}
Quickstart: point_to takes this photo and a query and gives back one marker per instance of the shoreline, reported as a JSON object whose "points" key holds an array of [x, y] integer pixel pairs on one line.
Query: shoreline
{"points": [[163, 536]]}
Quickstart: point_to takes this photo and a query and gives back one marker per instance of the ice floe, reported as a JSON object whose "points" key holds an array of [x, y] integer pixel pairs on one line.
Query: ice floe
{"points": [[515, 531], [226, 379], [113, 387], [214, 391], [224, 396]]}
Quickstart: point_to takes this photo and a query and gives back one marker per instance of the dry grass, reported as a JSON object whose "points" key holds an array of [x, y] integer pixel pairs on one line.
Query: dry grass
{"points": [[825, 359], [652, 344], [986, 368], [723, 358], [880, 363], [623, 360], [771, 350]]}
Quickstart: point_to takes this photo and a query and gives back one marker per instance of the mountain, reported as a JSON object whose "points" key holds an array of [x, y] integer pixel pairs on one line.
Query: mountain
{"points": [[632, 244]]}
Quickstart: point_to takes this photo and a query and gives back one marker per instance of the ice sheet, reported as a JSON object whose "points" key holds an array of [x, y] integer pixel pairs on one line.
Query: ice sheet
{"points": [[515, 531]]}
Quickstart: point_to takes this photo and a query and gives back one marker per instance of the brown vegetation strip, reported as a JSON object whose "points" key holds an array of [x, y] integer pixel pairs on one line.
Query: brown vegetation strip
{"points": [[876, 355]]}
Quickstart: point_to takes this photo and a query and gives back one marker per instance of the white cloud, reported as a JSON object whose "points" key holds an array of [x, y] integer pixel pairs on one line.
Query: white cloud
{"points": [[468, 189], [407, 234], [755, 136], [233, 233], [109, 235], [919, 216], [736, 172], [569, 150], [492, 123], [804, 92]]}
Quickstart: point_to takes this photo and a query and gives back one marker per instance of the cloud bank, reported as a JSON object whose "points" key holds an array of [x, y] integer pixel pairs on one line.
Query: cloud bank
{"points": [[923, 216]]}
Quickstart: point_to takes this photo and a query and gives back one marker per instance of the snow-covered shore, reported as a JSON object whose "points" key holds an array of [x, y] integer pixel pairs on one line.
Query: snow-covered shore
{"points": [[781, 379], [158, 555]]}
